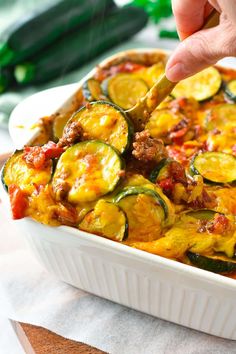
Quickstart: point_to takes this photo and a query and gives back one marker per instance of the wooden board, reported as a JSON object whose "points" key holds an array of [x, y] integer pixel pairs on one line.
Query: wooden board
{"points": [[38, 340]]}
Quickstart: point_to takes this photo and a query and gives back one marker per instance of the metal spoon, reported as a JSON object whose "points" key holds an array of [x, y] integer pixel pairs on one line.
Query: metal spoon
{"points": [[140, 113]]}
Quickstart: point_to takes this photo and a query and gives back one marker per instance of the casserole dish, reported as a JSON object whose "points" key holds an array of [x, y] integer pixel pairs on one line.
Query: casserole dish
{"points": [[142, 281]]}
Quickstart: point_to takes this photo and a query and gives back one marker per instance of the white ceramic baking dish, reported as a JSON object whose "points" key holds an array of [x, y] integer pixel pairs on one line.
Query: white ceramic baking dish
{"points": [[160, 287]]}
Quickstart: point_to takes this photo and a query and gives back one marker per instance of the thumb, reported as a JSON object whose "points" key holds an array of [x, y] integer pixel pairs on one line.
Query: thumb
{"points": [[201, 50]]}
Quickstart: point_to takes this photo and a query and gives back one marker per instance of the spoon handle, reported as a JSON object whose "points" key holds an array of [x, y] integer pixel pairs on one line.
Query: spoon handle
{"points": [[163, 87]]}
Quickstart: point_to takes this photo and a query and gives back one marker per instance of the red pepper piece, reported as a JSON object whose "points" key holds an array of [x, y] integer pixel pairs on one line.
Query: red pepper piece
{"points": [[39, 155], [18, 201], [167, 185], [51, 150]]}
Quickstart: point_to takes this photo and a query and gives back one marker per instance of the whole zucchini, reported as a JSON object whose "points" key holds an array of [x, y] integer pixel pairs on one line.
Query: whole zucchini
{"points": [[82, 45], [43, 26], [6, 79]]}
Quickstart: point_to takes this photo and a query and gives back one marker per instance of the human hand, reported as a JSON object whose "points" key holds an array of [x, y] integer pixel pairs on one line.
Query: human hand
{"points": [[200, 49]]}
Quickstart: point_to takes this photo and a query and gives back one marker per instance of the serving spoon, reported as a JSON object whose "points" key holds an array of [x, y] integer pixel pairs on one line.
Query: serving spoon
{"points": [[140, 113]]}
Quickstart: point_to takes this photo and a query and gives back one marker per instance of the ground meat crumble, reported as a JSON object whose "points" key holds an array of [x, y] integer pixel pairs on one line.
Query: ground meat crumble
{"points": [[72, 134], [146, 148]]}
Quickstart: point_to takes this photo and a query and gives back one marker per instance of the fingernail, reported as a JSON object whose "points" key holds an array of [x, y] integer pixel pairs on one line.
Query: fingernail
{"points": [[177, 72]]}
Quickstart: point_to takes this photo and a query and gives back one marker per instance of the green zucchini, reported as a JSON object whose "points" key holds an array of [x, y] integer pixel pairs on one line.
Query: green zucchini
{"points": [[215, 264], [202, 214], [86, 171], [125, 89], [230, 90], [215, 167], [42, 27], [201, 86], [146, 212], [221, 116], [81, 45], [136, 190], [107, 220], [17, 171], [92, 91], [161, 171], [107, 122], [168, 168], [6, 79]]}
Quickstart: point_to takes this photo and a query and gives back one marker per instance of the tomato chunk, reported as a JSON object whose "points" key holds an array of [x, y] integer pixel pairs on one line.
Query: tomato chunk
{"points": [[220, 224], [38, 156], [167, 185], [18, 201], [51, 150]]}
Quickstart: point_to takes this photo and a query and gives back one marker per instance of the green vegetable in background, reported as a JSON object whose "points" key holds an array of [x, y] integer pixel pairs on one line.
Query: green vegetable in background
{"points": [[168, 34], [6, 79], [156, 9], [40, 28], [82, 45]]}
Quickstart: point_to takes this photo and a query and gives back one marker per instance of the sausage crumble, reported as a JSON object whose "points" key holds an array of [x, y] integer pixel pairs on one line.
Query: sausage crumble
{"points": [[146, 148]]}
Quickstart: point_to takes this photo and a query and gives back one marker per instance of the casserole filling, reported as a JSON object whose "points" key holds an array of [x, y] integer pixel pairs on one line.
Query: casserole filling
{"points": [[168, 190]]}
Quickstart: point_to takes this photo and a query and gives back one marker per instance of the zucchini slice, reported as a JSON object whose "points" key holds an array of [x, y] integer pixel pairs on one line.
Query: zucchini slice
{"points": [[58, 125], [107, 122], [17, 171], [152, 73], [202, 214], [161, 171], [216, 264], [230, 90], [136, 190], [87, 171], [215, 167], [107, 220], [221, 116], [92, 90], [201, 86], [146, 212], [162, 122], [168, 168], [125, 90]]}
